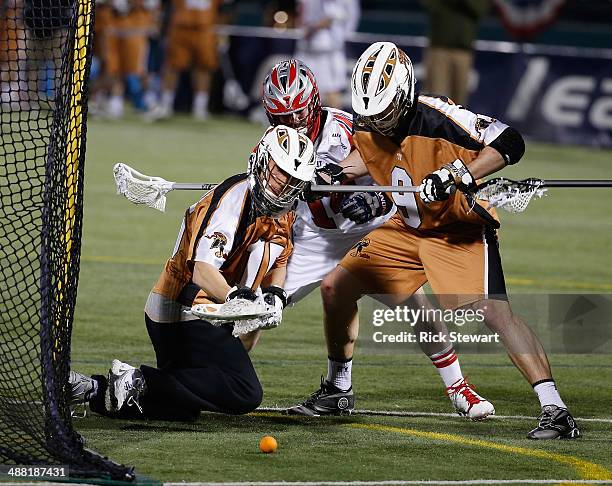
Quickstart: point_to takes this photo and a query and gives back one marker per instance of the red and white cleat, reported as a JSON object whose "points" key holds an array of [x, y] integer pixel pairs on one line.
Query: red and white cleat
{"points": [[467, 402]]}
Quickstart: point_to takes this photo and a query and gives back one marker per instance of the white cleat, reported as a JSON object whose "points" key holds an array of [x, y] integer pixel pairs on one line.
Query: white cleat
{"points": [[157, 113], [125, 385], [467, 402]]}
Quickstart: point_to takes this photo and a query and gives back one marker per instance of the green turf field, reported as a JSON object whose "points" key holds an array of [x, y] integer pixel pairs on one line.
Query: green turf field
{"points": [[561, 244]]}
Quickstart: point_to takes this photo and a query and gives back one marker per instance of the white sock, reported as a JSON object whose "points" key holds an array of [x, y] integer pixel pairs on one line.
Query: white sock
{"points": [[167, 100], [447, 364], [339, 373], [200, 103], [115, 106], [547, 393]]}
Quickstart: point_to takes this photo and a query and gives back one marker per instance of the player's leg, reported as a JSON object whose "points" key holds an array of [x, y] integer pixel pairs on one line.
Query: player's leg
{"points": [[205, 57], [376, 264], [444, 358], [177, 59], [438, 69], [468, 273], [200, 367]]}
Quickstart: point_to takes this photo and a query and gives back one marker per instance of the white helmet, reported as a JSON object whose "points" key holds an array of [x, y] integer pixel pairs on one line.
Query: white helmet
{"points": [[383, 86], [280, 168]]}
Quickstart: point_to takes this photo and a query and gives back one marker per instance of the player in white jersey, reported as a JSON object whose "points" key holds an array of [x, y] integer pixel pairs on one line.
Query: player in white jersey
{"points": [[327, 229], [322, 234], [325, 24]]}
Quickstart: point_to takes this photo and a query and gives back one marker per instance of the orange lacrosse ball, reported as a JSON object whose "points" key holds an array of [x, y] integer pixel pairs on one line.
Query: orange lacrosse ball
{"points": [[268, 444]]}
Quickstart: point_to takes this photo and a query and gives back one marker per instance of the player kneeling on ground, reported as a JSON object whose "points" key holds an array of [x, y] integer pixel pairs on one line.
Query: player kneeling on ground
{"points": [[233, 244]]}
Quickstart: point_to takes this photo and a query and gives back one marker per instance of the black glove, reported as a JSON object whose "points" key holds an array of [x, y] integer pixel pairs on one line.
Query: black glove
{"points": [[362, 207], [328, 174], [275, 296], [439, 185], [240, 292]]}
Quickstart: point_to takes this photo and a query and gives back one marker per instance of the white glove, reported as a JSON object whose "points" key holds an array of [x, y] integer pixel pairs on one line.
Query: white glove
{"points": [[276, 298], [440, 184]]}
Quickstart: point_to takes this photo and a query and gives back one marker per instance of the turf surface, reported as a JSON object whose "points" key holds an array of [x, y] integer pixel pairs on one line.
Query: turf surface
{"points": [[561, 244]]}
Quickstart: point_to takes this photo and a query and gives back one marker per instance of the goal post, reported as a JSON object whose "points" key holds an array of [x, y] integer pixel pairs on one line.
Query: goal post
{"points": [[45, 57]]}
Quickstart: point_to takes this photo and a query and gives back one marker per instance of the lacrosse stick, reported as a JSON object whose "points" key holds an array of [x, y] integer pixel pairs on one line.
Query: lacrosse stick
{"points": [[245, 315], [512, 196], [143, 189]]}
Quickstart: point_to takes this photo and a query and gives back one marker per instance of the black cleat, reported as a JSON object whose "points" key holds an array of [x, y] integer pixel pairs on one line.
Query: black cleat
{"points": [[555, 423], [327, 400], [81, 388]]}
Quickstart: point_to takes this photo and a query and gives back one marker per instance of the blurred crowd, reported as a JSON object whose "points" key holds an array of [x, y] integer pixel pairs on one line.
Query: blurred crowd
{"points": [[141, 48]]}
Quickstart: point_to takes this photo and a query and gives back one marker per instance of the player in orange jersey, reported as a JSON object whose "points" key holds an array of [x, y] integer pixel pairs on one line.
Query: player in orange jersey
{"points": [[233, 242], [192, 44], [404, 138]]}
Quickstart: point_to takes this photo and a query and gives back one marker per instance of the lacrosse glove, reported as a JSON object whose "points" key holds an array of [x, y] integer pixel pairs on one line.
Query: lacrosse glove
{"points": [[241, 292], [439, 185], [276, 298], [328, 174], [362, 207]]}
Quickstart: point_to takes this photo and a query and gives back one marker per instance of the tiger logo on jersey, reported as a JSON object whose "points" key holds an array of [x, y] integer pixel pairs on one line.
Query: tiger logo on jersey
{"points": [[359, 247], [219, 242]]}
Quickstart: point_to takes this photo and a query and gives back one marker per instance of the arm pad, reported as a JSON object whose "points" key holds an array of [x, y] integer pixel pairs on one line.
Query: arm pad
{"points": [[510, 144]]}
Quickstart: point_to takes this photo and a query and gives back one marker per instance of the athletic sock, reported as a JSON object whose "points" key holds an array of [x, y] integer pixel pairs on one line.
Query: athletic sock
{"points": [[200, 104], [447, 364], [167, 100], [547, 393], [339, 373]]}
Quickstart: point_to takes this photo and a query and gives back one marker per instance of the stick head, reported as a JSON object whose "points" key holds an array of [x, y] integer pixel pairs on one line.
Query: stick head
{"points": [[512, 196], [140, 188]]}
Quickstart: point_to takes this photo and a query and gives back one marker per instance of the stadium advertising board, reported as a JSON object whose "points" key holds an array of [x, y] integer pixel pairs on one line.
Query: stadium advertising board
{"points": [[553, 94]]}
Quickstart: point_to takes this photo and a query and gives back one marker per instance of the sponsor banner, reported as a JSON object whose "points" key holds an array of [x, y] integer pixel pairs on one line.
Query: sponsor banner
{"points": [[552, 94]]}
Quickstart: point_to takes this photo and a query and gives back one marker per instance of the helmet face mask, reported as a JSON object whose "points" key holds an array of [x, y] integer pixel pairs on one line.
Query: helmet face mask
{"points": [[383, 86], [290, 89], [280, 168]]}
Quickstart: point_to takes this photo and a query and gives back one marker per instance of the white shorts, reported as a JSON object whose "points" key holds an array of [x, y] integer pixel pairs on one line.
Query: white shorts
{"points": [[315, 254], [329, 69]]}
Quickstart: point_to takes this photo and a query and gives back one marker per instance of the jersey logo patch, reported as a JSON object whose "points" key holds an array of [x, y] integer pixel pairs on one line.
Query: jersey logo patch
{"points": [[482, 123], [219, 242], [359, 247]]}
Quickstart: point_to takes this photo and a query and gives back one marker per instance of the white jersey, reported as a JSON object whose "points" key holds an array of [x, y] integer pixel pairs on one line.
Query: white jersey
{"points": [[344, 15], [321, 235], [334, 144]]}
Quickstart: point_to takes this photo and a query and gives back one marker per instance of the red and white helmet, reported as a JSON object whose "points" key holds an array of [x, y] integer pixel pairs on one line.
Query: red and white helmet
{"points": [[383, 86], [291, 97]]}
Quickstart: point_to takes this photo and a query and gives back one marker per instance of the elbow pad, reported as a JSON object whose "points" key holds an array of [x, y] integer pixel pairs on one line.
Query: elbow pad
{"points": [[510, 144]]}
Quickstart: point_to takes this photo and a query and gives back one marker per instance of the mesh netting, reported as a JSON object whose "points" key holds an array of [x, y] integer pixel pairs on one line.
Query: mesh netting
{"points": [[44, 64], [513, 196]]}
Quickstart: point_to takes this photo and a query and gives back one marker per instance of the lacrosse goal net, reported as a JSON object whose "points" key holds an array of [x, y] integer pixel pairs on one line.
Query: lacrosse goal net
{"points": [[45, 54]]}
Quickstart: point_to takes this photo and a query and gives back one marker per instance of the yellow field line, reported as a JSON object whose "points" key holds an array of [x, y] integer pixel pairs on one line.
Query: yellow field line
{"points": [[585, 469]]}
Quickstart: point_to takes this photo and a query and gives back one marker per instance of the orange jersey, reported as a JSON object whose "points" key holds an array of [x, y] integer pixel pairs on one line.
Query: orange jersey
{"points": [[195, 13], [222, 230], [436, 133]]}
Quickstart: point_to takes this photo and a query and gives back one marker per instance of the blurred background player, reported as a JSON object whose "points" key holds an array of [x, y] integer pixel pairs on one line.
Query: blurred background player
{"points": [[191, 44], [325, 25], [328, 228], [46, 22], [453, 25], [12, 54], [126, 51], [232, 242]]}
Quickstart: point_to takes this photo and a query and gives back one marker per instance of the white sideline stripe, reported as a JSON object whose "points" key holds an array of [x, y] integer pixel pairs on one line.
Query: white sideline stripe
{"points": [[399, 482], [390, 413]]}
